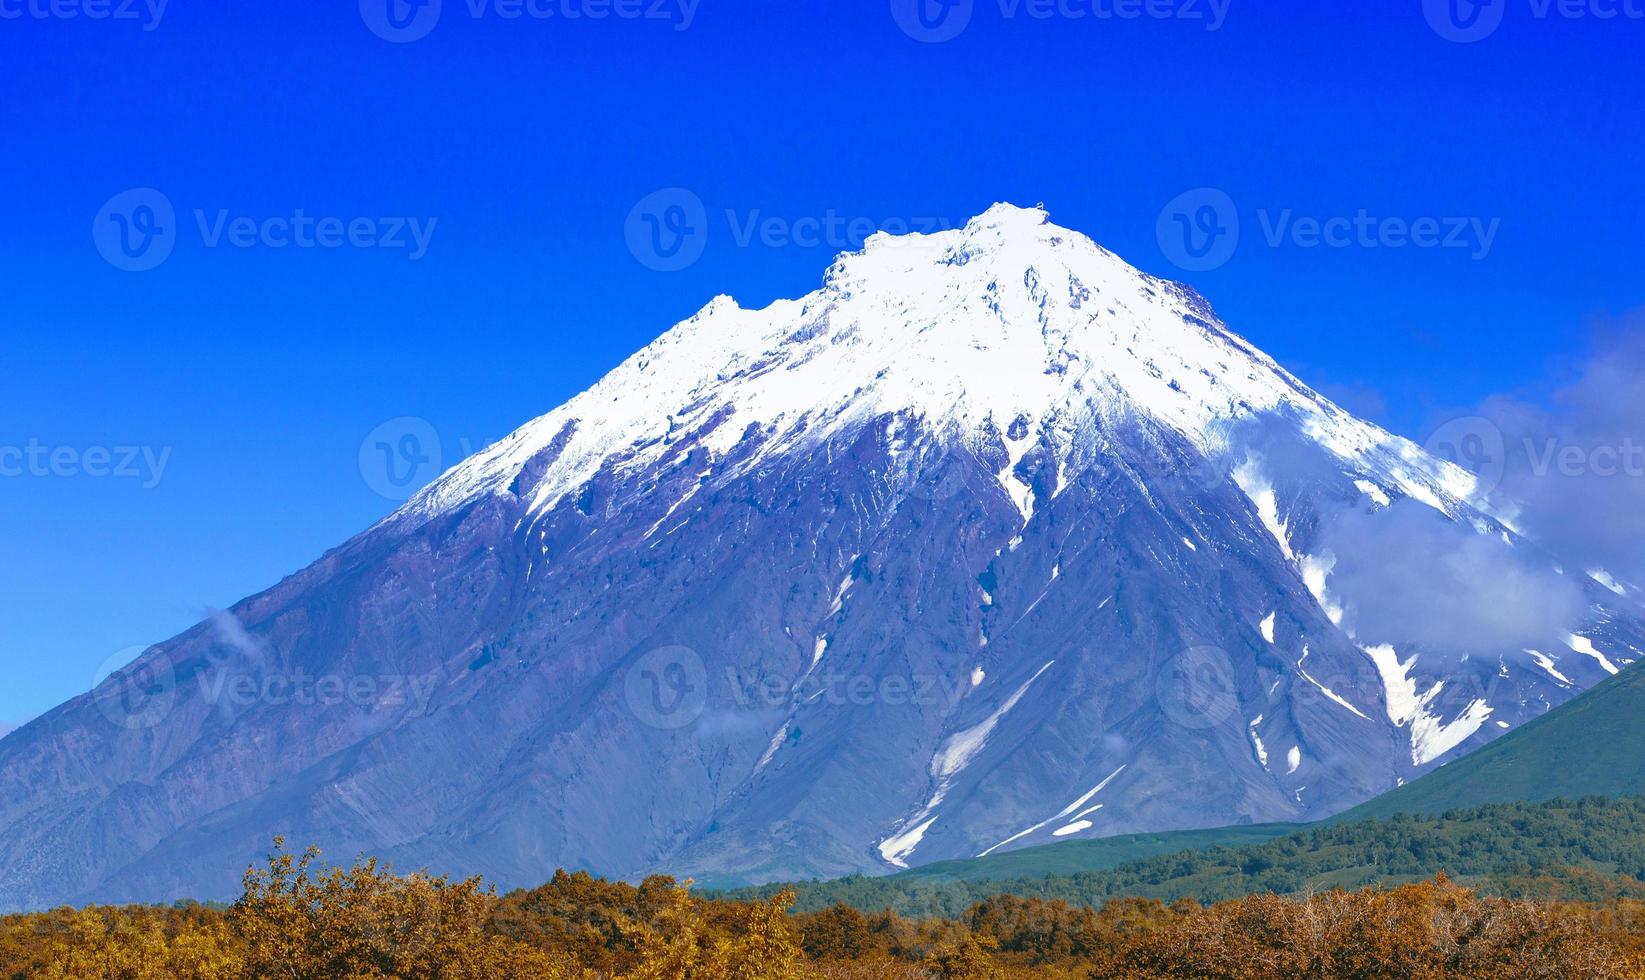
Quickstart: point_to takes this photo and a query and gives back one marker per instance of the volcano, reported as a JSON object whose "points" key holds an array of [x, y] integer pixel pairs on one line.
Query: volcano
{"points": [[991, 541]]}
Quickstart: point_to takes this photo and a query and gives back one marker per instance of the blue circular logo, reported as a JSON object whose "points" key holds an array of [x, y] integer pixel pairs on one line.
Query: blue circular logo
{"points": [[1196, 688], [400, 21], [667, 688], [400, 457], [1476, 444], [133, 690], [668, 230], [1464, 21], [932, 21], [1199, 230], [135, 230]]}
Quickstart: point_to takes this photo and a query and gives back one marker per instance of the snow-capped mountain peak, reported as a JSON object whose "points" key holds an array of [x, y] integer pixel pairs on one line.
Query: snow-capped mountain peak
{"points": [[1010, 329], [971, 548]]}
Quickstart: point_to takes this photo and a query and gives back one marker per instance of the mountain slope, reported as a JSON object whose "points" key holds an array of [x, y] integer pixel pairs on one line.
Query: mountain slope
{"points": [[991, 541], [1593, 745]]}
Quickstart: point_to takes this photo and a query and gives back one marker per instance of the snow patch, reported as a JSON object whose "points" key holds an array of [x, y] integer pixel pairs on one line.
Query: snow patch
{"points": [[895, 850], [1260, 492], [1583, 645], [955, 755], [1431, 737], [1547, 664], [771, 750], [1316, 569], [1605, 578], [845, 586], [961, 748], [1256, 740], [1332, 695], [1070, 808], [1378, 495]]}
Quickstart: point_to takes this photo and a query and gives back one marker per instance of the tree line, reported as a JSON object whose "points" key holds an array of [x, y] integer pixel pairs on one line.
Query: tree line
{"points": [[298, 922], [1591, 849]]}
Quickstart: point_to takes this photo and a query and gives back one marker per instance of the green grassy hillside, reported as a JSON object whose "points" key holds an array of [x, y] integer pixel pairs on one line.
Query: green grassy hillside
{"points": [[1482, 818], [1591, 745], [1072, 857], [1588, 849]]}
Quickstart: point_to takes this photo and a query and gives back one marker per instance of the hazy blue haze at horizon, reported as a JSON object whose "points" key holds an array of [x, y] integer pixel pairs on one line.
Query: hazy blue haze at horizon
{"points": [[529, 141]]}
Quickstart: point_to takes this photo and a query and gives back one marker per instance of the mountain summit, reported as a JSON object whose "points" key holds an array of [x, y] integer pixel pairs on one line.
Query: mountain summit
{"points": [[992, 540], [1008, 322]]}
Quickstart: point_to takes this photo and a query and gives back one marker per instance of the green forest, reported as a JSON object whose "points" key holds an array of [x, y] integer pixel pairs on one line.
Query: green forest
{"points": [[1590, 849]]}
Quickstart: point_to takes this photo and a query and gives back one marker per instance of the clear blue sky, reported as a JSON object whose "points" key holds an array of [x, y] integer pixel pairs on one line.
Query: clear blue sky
{"points": [[258, 371]]}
